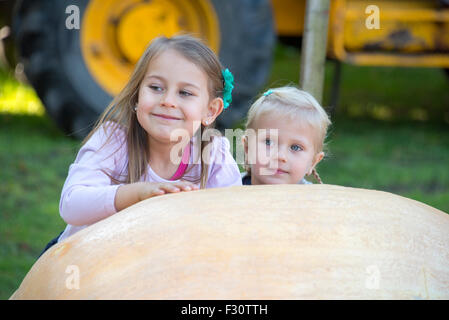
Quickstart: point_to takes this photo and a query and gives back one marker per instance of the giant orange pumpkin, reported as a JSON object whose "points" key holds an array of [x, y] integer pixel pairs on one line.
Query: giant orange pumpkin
{"points": [[254, 242]]}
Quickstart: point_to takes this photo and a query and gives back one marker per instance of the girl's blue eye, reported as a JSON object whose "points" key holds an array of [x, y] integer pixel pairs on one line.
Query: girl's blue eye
{"points": [[295, 147], [185, 93], [155, 88]]}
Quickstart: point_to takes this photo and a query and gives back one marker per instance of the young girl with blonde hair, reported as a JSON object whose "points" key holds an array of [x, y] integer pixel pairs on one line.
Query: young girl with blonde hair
{"points": [[284, 137], [146, 142]]}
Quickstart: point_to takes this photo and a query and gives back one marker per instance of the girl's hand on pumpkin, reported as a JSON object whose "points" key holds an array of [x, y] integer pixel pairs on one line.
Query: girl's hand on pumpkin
{"points": [[152, 189], [129, 194]]}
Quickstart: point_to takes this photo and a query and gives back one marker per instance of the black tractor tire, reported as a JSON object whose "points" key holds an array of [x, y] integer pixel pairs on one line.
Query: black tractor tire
{"points": [[54, 65], [247, 44]]}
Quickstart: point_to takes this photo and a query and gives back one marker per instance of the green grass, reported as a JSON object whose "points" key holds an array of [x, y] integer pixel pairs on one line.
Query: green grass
{"points": [[34, 158], [384, 93], [375, 142], [410, 159]]}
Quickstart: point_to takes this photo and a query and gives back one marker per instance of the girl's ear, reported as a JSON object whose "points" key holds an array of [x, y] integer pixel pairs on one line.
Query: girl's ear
{"points": [[318, 157], [245, 144], [214, 109]]}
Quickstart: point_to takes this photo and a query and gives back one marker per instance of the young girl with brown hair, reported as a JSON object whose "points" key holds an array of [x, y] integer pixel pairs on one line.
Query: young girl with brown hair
{"points": [[146, 142]]}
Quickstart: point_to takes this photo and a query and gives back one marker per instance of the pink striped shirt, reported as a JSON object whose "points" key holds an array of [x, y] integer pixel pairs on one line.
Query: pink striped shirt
{"points": [[88, 194]]}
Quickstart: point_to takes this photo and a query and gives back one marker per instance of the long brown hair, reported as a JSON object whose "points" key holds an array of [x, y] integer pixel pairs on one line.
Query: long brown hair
{"points": [[120, 113]]}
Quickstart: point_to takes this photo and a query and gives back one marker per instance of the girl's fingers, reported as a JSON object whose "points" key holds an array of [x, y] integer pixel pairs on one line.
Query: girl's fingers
{"points": [[157, 192], [185, 182], [173, 187], [149, 193], [187, 186], [170, 188]]}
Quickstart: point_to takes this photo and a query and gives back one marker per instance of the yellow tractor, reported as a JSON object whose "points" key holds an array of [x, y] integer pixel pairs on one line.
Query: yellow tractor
{"points": [[78, 54]]}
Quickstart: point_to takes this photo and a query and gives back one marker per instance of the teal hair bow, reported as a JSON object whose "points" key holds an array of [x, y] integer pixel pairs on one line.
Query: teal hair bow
{"points": [[228, 80]]}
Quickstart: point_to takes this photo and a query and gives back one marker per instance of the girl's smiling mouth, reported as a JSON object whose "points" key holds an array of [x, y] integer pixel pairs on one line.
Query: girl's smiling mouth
{"points": [[162, 116]]}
